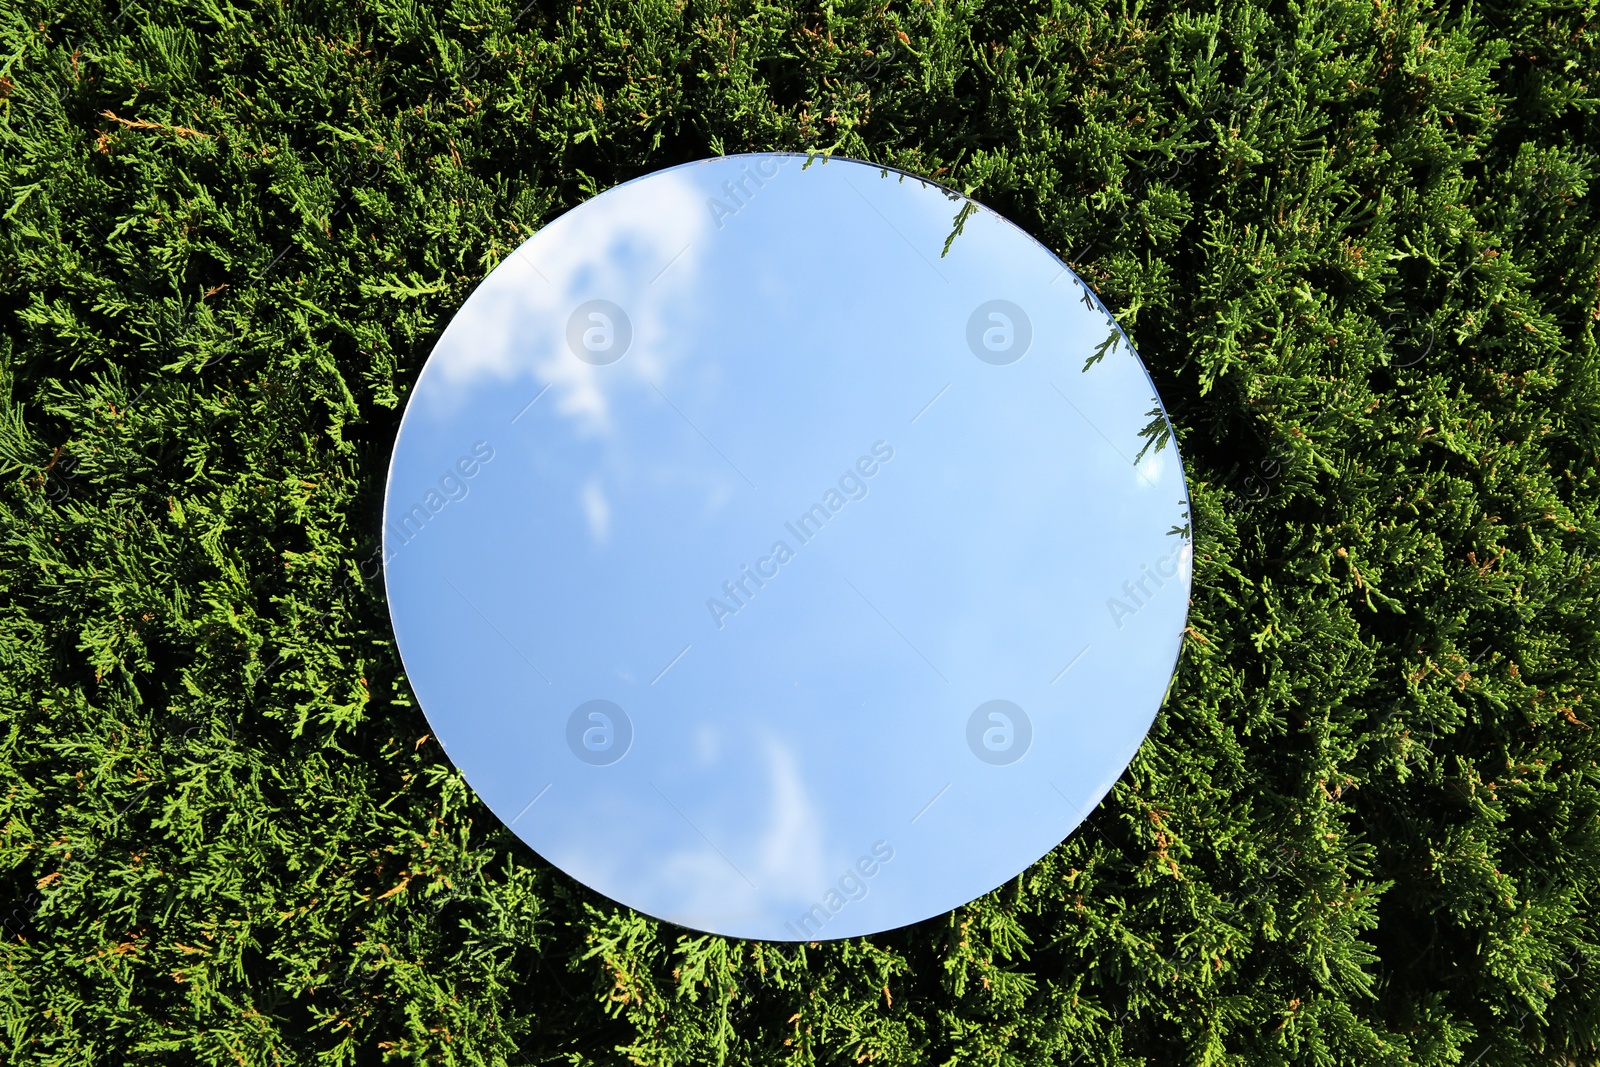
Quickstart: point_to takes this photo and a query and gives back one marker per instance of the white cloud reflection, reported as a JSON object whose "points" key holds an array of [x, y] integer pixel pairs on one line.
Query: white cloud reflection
{"points": [[639, 245], [778, 863], [597, 511]]}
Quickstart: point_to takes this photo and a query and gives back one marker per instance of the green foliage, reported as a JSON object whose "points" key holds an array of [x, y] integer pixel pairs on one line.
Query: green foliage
{"points": [[1355, 243]]}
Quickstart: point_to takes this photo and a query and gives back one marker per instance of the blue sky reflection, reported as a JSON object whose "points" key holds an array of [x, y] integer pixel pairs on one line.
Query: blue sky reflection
{"points": [[798, 531]]}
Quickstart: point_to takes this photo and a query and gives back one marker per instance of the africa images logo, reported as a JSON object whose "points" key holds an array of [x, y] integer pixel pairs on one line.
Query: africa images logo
{"points": [[750, 182], [1161, 573], [852, 485], [999, 332], [599, 332], [852, 885], [999, 732], [406, 525], [599, 732]]}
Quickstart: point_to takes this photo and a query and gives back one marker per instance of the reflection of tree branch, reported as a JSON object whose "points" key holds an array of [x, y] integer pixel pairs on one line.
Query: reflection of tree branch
{"points": [[1110, 344], [960, 223], [1157, 432]]}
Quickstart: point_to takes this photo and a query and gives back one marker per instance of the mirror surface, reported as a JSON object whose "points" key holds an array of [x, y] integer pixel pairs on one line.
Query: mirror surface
{"points": [[775, 547]]}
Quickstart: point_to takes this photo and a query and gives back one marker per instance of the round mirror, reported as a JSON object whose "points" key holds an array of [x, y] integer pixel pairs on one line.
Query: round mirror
{"points": [[787, 548]]}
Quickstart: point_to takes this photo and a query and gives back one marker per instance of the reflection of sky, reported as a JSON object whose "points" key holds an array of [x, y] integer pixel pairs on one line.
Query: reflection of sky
{"points": [[768, 355]]}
